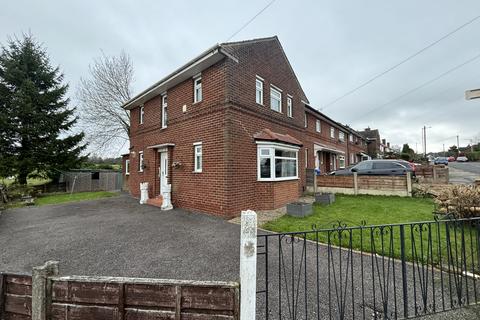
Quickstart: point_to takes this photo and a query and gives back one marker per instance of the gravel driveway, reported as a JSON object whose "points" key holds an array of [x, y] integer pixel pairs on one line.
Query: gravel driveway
{"points": [[119, 237]]}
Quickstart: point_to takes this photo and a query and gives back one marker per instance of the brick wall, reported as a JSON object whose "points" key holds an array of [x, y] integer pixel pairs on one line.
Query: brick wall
{"points": [[225, 122]]}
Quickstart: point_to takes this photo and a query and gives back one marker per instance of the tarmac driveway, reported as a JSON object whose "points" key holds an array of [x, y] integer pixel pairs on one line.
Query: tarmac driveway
{"points": [[119, 237]]}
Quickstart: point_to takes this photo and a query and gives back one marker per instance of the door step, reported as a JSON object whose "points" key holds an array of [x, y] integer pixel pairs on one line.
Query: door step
{"points": [[156, 202]]}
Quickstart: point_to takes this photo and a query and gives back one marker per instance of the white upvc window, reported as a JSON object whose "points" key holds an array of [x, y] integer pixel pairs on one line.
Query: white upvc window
{"points": [[164, 111], [352, 158], [341, 162], [259, 90], [318, 126], [306, 122], [141, 112], [275, 99], [341, 136], [350, 137], [127, 167], [277, 162], [140, 161], [332, 132], [289, 107], [197, 89], [198, 157]]}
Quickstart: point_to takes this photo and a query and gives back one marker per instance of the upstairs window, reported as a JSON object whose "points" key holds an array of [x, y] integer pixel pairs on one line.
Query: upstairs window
{"points": [[332, 132], [306, 122], [127, 167], [164, 111], [141, 112], [350, 137], [275, 99], [259, 90], [198, 157], [140, 161], [289, 107], [341, 136], [197, 89], [318, 126]]}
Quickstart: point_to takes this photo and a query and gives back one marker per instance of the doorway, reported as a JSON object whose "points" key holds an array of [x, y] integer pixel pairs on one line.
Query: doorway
{"points": [[163, 170]]}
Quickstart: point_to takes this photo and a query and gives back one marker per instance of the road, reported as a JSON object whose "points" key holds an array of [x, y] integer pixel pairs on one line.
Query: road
{"points": [[464, 172]]}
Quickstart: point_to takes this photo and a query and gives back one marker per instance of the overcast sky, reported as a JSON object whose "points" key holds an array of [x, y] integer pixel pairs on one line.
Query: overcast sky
{"points": [[333, 47]]}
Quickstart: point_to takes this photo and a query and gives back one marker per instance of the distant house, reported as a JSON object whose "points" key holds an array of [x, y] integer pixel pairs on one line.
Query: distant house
{"points": [[376, 147], [232, 130]]}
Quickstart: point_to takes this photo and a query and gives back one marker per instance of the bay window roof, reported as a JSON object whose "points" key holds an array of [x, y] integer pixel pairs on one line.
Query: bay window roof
{"points": [[269, 135]]}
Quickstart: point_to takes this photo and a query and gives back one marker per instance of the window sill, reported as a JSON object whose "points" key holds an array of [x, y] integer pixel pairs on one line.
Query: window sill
{"points": [[260, 104], [196, 102], [197, 171], [163, 128], [276, 179], [127, 174]]}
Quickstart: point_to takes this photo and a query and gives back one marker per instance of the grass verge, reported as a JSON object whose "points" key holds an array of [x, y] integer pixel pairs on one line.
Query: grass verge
{"points": [[74, 197], [441, 244]]}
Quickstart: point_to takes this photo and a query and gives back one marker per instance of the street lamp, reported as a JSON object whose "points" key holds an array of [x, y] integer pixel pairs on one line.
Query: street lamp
{"points": [[424, 139], [472, 94]]}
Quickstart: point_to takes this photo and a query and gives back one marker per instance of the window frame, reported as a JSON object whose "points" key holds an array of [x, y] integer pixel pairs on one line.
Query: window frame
{"points": [[306, 120], [164, 111], [350, 137], [332, 132], [261, 145], [197, 155], [341, 158], [318, 126], [127, 167], [276, 90], [289, 106], [341, 135], [141, 114], [259, 80], [141, 161], [199, 87]]}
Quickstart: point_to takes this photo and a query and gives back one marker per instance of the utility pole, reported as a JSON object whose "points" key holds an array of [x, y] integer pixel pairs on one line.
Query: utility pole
{"points": [[424, 136], [444, 149], [458, 143]]}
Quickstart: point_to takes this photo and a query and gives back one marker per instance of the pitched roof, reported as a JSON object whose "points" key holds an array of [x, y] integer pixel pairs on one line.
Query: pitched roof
{"points": [[269, 135], [370, 133], [196, 65]]}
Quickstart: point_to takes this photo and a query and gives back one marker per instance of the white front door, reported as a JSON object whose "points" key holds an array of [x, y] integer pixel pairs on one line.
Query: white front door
{"points": [[163, 170]]}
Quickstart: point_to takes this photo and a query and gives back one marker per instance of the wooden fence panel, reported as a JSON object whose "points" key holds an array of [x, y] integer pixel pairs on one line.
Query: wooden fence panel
{"points": [[16, 296], [362, 184]]}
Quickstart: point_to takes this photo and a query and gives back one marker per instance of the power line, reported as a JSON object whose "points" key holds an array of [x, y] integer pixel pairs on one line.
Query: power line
{"points": [[250, 21], [420, 86], [400, 63]]}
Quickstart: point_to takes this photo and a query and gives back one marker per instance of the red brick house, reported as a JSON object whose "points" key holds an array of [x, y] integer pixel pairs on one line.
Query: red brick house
{"points": [[232, 130]]}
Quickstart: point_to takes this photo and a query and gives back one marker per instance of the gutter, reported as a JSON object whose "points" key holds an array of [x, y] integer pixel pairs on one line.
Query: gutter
{"points": [[192, 63]]}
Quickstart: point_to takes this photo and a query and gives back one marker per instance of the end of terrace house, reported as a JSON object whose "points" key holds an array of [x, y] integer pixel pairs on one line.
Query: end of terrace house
{"points": [[232, 130]]}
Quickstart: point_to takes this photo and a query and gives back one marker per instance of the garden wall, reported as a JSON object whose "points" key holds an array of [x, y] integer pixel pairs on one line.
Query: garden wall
{"points": [[374, 185]]}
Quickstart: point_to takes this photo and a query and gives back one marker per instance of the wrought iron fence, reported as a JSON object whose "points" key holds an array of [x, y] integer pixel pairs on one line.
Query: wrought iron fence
{"points": [[393, 271]]}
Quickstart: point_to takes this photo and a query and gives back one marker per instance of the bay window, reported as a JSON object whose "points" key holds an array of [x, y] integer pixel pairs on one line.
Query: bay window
{"points": [[277, 162]]}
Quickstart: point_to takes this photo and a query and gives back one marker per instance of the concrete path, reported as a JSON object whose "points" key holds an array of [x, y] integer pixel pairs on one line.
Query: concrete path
{"points": [[464, 172]]}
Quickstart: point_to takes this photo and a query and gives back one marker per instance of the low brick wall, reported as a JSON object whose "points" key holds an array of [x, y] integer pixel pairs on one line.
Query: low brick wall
{"points": [[109, 298], [374, 185]]}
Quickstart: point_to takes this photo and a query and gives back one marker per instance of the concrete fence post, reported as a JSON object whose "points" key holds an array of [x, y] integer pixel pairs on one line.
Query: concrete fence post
{"points": [[314, 182], [355, 183], [409, 184], [41, 291], [248, 265]]}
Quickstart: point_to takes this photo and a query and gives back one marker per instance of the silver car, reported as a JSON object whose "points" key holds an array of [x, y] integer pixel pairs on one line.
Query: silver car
{"points": [[381, 167]]}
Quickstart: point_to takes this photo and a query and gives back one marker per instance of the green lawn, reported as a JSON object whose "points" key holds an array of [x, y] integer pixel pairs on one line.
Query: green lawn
{"points": [[30, 181], [431, 243], [66, 197]]}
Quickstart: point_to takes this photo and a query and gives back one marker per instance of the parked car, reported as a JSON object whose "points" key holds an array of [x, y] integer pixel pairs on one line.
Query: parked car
{"points": [[462, 159], [378, 167], [441, 160], [451, 159]]}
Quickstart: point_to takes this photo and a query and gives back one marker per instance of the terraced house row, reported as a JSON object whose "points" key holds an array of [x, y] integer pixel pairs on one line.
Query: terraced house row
{"points": [[232, 130]]}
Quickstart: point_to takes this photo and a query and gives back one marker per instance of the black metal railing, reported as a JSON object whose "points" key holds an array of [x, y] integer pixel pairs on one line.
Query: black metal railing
{"points": [[393, 271]]}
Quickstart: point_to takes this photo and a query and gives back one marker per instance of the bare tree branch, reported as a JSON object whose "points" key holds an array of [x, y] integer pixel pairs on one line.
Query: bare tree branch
{"points": [[101, 96]]}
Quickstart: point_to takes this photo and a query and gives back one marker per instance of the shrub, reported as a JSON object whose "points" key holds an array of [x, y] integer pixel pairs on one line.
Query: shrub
{"points": [[460, 201]]}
